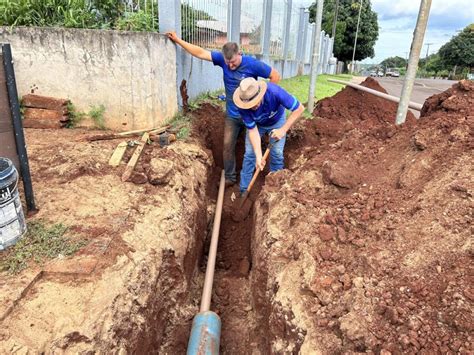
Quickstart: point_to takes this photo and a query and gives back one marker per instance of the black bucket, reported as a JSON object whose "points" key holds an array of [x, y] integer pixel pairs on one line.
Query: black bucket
{"points": [[12, 219]]}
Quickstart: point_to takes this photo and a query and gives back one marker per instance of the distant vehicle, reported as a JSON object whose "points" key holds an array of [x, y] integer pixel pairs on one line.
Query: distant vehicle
{"points": [[392, 72], [380, 73], [373, 73]]}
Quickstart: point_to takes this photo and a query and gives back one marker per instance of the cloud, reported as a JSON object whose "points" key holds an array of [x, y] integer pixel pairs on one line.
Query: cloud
{"points": [[397, 20], [390, 8]]}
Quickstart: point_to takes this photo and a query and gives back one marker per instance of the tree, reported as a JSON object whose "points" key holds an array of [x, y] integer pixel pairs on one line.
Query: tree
{"points": [[394, 62], [459, 51], [346, 26]]}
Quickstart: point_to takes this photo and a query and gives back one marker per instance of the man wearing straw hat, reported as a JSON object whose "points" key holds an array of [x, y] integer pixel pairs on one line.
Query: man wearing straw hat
{"points": [[262, 108], [235, 67]]}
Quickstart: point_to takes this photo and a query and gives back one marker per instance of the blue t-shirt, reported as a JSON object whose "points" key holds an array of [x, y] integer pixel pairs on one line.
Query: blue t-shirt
{"points": [[250, 67], [271, 109]]}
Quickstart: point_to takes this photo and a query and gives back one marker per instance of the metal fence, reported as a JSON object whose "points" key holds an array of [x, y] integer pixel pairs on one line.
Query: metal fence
{"points": [[205, 22], [133, 7], [277, 29], [251, 26]]}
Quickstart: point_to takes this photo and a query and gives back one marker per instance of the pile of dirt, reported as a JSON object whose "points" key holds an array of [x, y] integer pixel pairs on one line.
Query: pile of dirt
{"points": [[130, 287], [364, 244], [354, 109]]}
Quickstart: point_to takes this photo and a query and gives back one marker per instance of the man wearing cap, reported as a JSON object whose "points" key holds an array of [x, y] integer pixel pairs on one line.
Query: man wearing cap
{"points": [[262, 108], [235, 67]]}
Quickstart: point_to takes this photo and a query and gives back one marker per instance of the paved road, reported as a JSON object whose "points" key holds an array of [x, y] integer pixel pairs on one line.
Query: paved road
{"points": [[422, 89]]}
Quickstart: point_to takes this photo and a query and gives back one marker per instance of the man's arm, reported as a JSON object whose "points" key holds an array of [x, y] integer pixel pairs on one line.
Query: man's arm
{"points": [[254, 137], [274, 76], [192, 49], [280, 132]]}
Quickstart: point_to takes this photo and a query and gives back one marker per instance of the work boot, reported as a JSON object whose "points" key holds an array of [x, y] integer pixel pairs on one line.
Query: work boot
{"points": [[229, 183]]}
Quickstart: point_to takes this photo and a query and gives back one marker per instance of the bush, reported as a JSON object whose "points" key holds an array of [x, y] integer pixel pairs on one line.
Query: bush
{"points": [[137, 21]]}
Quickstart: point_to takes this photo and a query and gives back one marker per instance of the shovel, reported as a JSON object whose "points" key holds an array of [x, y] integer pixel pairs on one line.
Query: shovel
{"points": [[244, 208]]}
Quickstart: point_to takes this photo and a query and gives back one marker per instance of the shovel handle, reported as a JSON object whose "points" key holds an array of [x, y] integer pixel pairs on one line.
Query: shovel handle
{"points": [[257, 170]]}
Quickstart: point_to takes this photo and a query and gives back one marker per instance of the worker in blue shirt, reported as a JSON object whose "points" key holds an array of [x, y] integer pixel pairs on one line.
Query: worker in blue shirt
{"points": [[235, 67], [262, 108]]}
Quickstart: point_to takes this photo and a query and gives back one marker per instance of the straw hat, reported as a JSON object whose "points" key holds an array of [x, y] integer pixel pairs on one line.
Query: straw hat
{"points": [[249, 93]]}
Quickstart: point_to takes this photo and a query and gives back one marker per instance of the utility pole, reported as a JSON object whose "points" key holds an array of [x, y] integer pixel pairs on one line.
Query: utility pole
{"points": [[315, 57], [428, 49], [415, 50], [355, 41], [335, 20]]}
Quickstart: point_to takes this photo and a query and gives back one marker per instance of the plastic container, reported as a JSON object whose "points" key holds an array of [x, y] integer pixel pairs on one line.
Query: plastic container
{"points": [[12, 219]]}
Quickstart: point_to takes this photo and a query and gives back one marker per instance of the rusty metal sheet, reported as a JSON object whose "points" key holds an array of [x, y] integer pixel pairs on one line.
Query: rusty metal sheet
{"points": [[7, 135]]}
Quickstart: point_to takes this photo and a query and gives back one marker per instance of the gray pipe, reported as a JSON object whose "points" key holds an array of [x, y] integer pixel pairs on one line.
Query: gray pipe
{"points": [[413, 105], [211, 260]]}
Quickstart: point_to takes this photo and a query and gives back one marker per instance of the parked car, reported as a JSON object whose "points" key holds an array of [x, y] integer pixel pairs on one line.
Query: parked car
{"points": [[380, 73], [392, 72], [373, 73]]}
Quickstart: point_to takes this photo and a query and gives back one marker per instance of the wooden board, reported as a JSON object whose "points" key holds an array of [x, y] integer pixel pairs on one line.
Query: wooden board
{"points": [[134, 159], [37, 101], [108, 136], [37, 123], [118, 153], [41, 113]]}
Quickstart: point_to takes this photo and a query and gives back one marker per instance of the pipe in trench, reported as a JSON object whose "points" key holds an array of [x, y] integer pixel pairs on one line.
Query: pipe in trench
{"points": [[206, 328], [413, 105]]}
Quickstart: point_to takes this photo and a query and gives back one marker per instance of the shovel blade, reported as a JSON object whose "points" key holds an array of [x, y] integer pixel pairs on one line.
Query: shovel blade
{"points": [[243, 209]]}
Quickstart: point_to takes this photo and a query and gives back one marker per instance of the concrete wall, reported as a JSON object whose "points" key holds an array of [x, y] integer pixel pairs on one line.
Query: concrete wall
{"points": [[133, 74]]}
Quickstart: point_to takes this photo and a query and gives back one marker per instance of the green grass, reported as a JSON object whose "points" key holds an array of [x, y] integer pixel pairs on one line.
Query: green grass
{"points": [[96, 113], [181, 124], [299, 86], [40, 242]]}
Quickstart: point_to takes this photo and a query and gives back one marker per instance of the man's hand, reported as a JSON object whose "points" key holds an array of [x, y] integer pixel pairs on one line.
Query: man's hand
{"points": [[278, 133], [260, 163], [172, 36]]}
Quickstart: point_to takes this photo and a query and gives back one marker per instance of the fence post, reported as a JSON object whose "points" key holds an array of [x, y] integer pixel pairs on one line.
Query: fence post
{"points": [[266, 30], [326, 54], [286, 38], [233, 23], [286, 34], [299, 42], [305, 36], [169, 18]]}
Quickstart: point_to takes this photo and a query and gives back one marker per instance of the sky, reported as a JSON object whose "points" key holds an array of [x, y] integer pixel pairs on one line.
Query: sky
{"points": [[397, 20]]}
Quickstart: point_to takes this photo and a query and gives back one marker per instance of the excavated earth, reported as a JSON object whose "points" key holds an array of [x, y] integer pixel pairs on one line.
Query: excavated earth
{"points": [[363, 244]]}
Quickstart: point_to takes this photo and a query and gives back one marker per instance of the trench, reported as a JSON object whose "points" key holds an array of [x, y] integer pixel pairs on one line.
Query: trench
{"points": [[232, 289], [244, 323]]}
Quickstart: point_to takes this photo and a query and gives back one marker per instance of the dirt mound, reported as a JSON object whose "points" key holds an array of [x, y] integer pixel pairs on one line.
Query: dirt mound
{"points": [[364, 243], [459, 99], [351, 108]]}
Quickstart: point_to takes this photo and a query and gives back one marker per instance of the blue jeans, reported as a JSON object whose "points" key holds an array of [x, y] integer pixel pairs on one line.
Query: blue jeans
{"points": [[232, 129], [276, 154]]}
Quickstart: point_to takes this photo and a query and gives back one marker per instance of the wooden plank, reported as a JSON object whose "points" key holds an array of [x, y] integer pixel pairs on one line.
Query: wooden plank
{"points": [[43, 114], [134, 159], [102, 137], [118, 153], [46, 102], [37, 123]]}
